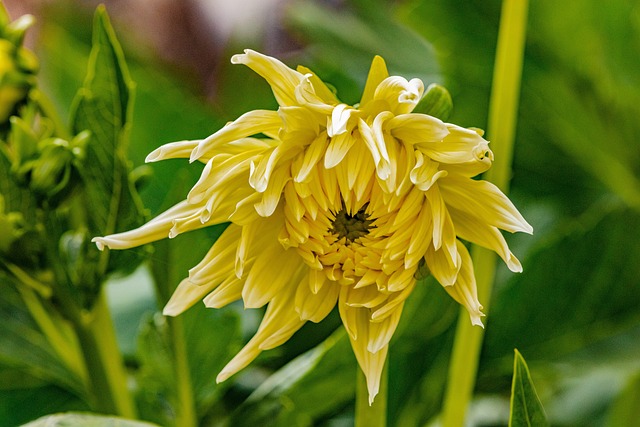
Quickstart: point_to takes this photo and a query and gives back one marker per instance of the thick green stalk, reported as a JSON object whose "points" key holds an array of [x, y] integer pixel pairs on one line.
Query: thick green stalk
{"points": [[502, 124], [163, 272], [186, 411], [107, 377], [376, 414]]}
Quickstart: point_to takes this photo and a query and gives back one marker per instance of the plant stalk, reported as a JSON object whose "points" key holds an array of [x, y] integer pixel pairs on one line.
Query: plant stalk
{"points": [[376, 414], [107, 376], [503, 111]]}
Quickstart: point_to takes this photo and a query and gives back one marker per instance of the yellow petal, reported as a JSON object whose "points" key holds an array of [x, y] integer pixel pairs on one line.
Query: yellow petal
{"points": [[370, 363], [173, 150], [442, 267], [274, 269], [315, 306], [156, 229], [469, 228], [400, 95], [251, 123], [464, 291], [338, 148], [380, 333], [320, 89], [282, 79], [484, 201], [416, 128], [278, 324], [185, 296], [377, 73]]}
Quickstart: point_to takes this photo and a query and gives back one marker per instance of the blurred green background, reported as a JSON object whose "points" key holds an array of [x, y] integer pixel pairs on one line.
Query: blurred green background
{"points": [[574, 313]]}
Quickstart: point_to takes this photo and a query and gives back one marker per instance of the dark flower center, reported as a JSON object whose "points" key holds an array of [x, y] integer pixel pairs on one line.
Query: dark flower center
{"points": [[351, 227]]}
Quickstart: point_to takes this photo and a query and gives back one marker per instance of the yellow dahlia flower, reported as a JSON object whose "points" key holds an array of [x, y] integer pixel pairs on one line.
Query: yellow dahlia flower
{"points": [[333, 204]]}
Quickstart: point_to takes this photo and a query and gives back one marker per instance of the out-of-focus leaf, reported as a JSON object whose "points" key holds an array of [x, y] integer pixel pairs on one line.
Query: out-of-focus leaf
{"points": [[419, 354], [526, 409], [625, 410], [583, 285], [103, 106], [207, 338], [18, 406], [24, 347], [85, 420], [315, 384], [342, 44]]}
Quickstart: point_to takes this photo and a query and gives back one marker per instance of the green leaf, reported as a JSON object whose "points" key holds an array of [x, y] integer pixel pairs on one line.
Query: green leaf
{"points": [[526, 409], [580, 285], [24, 348], [33, 400], [315, 384], [104, 107], [85, 420]]}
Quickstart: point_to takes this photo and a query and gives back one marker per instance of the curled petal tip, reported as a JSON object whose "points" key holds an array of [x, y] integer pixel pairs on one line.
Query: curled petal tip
{"points": [[99, 241], [152, 156]]}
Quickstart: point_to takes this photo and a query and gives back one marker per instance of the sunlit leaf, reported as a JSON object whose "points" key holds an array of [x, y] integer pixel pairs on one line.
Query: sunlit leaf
{"points": [[85, 420], [526, 409], [103, 106]]}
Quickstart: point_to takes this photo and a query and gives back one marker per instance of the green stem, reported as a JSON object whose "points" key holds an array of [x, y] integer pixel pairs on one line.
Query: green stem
{"points": [[502, 124], [162, 273], [107, 377], [185, 412], [376, 414]]}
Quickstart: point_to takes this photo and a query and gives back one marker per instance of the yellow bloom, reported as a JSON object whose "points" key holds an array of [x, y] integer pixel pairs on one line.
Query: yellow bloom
{"points": [[337, 204]]}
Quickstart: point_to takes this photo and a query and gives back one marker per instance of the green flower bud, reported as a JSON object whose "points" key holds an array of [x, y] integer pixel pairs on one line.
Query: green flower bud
{"points": [[51, 173], [18, 65], [12, 226], [435, 102]]}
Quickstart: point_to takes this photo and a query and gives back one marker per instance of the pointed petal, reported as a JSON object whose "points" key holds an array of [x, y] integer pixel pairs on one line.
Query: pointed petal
{"points": [[173, 150], [377, 73], [479, 232], [282, 79], [464, 291], [315, 306], [251, 123], [484, 201], [156, 229]]}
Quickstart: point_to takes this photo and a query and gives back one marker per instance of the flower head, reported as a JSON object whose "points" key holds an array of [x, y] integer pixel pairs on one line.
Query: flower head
{"points": [[336, 204]]}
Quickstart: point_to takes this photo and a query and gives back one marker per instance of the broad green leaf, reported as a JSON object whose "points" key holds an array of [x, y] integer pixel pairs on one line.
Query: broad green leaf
{"points": [[33, 400], [526, 409], [313, 385], [24, 348], [85, 420], [580, 285], [103, 106]]}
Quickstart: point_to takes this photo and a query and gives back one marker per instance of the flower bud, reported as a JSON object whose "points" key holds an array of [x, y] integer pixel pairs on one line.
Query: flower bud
{"points": [[18, 65], [436, 102]]}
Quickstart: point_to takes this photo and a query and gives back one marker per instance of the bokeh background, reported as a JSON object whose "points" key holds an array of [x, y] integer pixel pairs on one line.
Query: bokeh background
{"points": [[574, 313]]}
